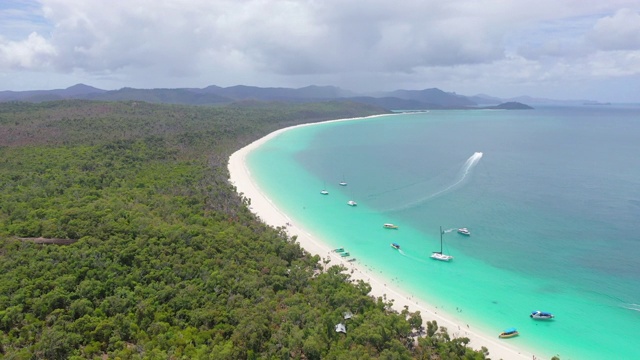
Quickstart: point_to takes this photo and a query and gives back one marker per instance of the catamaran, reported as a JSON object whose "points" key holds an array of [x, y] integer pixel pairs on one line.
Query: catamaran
{"points": [[438, 255]]}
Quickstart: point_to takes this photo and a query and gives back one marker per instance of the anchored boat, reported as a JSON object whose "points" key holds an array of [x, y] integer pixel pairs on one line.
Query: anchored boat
{"points": [[541, 315], [509, 333], [438, 255]]}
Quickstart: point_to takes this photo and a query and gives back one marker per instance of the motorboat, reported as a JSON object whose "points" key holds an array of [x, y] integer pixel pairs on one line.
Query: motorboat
{"points": [[509, 333], [345, 254], [343, 183], [324, 192], [390, 226], [439, 255], [352, 203], [395, 246], [542, 315], [464, 231]]}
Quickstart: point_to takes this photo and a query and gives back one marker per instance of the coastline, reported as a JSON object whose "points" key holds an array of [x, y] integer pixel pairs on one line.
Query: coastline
{"points": [[268, 212]]}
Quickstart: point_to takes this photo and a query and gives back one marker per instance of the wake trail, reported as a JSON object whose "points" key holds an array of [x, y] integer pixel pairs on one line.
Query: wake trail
{"points": [[414, 258], [634, 307], [466, 169]]}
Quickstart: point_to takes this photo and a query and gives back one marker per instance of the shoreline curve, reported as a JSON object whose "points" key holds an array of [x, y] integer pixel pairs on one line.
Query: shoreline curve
{"points": [[267, 211]]}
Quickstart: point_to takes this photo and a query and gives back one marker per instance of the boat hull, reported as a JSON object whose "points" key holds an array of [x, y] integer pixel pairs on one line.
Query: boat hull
{"points": [[441, 257], [540, 315]]}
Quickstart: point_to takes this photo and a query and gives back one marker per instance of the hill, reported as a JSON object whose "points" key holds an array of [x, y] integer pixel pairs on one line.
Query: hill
{"points": [[214, 95]]}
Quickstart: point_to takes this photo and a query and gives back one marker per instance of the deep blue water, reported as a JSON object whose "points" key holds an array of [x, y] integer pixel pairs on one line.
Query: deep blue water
{"points": [[551, 202]]}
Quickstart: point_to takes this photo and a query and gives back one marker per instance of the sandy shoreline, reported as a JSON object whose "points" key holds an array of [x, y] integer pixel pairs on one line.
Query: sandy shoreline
{"points": [[267, 211]]}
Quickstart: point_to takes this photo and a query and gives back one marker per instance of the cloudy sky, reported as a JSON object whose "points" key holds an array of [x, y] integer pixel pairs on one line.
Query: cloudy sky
{"points": [[561, 49]]}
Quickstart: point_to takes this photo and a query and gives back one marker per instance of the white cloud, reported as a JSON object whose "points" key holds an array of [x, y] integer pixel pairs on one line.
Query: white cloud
{"points": [[618, 32], [357, 44], [33, 52]]}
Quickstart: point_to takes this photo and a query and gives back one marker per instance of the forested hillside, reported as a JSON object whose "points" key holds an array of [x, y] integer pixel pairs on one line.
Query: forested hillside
{"points": [[163, 259]]}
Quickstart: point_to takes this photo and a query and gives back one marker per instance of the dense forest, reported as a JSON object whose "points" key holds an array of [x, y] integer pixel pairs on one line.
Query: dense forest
{"points": [[121, 237]]}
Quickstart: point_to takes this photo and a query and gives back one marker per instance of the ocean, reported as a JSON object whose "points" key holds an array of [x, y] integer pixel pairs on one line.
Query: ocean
{"points": [[550, 196]]}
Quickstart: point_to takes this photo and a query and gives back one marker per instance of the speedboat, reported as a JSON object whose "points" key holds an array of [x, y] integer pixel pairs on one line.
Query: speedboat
{"points": [[464, 231], [508, 333], [395, 246], [352, 203], [390, 226], [324, 192], [541, 315]]}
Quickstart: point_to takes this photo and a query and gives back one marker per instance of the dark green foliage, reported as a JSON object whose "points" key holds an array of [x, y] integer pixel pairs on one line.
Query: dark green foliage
{"points": [[168, 262]]}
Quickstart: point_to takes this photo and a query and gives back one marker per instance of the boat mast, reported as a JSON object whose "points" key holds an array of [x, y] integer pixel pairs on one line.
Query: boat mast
{"points": [[440, 239]]}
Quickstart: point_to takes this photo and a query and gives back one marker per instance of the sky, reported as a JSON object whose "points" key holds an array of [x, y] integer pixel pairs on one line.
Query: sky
{"points": [[558, 49]]}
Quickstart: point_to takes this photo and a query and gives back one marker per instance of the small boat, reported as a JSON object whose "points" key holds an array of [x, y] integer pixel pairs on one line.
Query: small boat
{"points": [[340, 249], [541, 315], [395, 246], [352, 203], [324, 192], [345, 254], [464, 231], [390, 226], [343, 183], [438, 255], [352, 260], [508, 333]]}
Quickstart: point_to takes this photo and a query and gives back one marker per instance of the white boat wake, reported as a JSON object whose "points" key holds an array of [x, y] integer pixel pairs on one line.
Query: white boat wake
{"points": [[463, 174], [634, 307]]}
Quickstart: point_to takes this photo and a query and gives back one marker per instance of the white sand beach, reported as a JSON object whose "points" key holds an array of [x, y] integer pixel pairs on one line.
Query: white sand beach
{"points": [[265, 209]]}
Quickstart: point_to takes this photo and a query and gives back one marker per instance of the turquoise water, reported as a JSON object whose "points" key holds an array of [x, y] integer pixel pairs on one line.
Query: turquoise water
{"points": [[550, 195]]}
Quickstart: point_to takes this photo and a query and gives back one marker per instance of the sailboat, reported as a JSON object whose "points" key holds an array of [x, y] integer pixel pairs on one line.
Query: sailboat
{"points": [[438, 255], [343, 183]]}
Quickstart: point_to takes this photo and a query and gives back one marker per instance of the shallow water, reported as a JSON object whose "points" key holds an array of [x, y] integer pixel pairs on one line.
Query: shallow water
{"points": [[549, 196]]}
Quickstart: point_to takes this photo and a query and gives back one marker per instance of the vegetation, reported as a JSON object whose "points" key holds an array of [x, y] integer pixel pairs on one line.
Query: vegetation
{"points": [[166, 260]]}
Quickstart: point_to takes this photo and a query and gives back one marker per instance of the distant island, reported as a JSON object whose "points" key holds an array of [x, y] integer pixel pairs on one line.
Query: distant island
{"points": [[595, 103], [400, 100], [511, 105]]}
